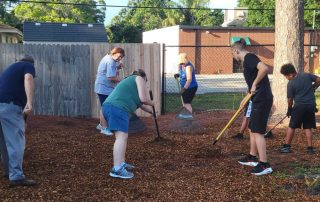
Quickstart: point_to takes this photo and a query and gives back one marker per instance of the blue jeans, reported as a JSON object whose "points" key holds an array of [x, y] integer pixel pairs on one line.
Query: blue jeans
{"points": [[12, 140]]}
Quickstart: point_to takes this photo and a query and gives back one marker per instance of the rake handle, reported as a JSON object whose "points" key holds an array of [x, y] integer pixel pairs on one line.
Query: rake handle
{"points": [[232, 119], [276, 125], [154, 115]]}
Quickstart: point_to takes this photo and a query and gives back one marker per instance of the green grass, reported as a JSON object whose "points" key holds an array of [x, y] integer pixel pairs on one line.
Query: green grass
{"points": [[211, 101], [204, 102]]}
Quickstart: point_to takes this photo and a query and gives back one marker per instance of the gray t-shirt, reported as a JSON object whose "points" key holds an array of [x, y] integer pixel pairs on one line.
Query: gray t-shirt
{"points": [[301, 90], [107, 68]]}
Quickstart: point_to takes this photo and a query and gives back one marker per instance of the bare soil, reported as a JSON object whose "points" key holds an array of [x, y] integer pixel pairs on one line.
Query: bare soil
{"points": [[71, 160]]}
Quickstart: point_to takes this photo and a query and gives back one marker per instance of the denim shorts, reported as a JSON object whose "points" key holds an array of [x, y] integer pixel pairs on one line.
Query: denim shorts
{"points": [[118, 119]]}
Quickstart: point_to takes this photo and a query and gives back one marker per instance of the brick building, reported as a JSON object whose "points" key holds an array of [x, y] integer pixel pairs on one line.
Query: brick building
{"points": [[209, 47]]}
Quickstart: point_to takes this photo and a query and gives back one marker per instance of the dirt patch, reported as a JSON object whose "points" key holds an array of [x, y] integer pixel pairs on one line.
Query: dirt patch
{"points": [[72, 160]]}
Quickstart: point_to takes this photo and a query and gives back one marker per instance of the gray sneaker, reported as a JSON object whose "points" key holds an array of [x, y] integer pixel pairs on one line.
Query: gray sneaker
{"points": [[129, 166], [121, 173], [310, 150], [285, 149]]}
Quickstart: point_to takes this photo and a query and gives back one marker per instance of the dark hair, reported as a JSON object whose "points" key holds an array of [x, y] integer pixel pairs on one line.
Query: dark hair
{"points": [[27, 58], [241, 44], [287, 69], [139, 72]]}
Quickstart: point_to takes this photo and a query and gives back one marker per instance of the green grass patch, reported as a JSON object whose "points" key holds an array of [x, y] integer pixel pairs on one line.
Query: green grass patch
{"points": [[205, 102]]}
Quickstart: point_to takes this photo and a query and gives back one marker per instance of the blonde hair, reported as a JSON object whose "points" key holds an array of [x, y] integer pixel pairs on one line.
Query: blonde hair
{"points": [[183, 59]]}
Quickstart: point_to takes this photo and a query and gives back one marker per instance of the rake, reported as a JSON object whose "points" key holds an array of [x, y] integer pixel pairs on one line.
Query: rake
{"points": [[233, 118], [155, 118], [275, 125]]}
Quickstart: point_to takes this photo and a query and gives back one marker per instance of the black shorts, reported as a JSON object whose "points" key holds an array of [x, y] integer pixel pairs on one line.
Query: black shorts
{"points": [[259, 116], [102, 98], [188, 95], [303, 115]]}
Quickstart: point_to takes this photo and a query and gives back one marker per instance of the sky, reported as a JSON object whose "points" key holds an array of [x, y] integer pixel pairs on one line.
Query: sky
{"points": [[113, 11]]}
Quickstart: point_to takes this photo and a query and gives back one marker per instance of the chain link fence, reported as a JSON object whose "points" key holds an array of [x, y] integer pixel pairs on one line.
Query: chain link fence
{"points": [[221, 85]]}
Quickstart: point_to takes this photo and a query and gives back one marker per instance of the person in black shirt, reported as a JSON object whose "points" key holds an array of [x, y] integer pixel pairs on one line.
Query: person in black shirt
{"points": [[256, 76]]}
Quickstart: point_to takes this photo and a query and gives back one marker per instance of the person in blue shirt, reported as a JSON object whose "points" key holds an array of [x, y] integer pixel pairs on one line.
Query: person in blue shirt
{"points": [[16, 96], [188, 82], [106, 81]]}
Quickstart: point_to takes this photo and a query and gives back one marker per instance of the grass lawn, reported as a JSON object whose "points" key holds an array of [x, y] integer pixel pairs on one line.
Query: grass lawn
{"points": [[211, 101]]}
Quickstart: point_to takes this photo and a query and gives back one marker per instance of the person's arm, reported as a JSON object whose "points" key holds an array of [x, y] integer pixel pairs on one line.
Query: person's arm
{"points": [[142, 90], [316, 84], [112, 72], [189, 78], [262, 71], [29, 88]]}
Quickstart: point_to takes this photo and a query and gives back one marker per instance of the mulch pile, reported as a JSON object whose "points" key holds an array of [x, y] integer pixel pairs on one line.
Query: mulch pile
{"points": [[71, 160]]}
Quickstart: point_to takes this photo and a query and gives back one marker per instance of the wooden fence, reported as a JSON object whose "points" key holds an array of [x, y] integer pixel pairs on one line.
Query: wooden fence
{"points": [[65, 74]]}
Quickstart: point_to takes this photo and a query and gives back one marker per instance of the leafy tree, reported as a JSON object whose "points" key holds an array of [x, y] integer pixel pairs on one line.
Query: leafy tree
{"points": [[266, 18], [7, 17], [137, 20], [46, 12]]}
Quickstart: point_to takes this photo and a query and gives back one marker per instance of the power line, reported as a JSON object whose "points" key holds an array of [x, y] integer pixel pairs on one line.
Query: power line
{"points": [[145, 7]]}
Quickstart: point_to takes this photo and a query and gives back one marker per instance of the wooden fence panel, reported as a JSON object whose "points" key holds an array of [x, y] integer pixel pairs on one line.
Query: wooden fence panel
{"points": [[65, 74]]}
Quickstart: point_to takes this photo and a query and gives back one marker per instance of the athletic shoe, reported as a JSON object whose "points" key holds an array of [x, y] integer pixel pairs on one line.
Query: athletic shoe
{"points": [[99, 127], [310, 150], [121, 173], [285, 149], [238, 136], [106, 132], [249, 160], [129, 166], [262, 169], [23, 182], [185, 116]]}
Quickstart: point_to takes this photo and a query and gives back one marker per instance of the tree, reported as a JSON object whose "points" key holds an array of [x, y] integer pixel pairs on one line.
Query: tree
{"points": [[7, 17], [266, 18], [137, 20], [289, 32], [47, 12]]}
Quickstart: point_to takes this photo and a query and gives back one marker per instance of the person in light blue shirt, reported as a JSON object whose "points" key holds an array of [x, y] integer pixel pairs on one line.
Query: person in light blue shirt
{"points": [[106, 80]]}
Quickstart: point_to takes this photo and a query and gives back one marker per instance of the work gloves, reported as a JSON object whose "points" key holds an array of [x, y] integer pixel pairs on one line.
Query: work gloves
{"points": [[176, 76], [289, 112]]}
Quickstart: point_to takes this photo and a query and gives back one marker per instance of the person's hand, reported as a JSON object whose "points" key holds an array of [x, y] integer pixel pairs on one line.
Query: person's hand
{"points": [[183, 90], [253, 89], [289, 112], [176, 76], [27, 109]]}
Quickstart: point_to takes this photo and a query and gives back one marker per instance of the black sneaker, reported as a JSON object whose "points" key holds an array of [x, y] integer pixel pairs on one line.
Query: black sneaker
{"points": [[310, 150], [249, 160], [285, 149], [24, 182], [269, 135], [262, 169], [238, 136]]}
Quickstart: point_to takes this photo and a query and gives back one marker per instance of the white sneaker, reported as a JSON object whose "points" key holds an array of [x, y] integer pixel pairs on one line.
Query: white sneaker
{"points": [[106, 132], [99, 127]]}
